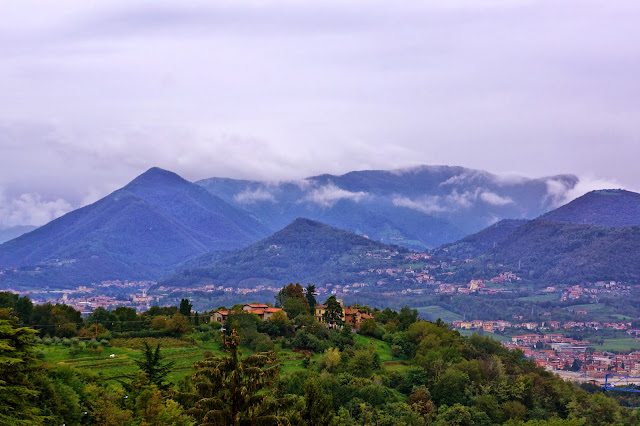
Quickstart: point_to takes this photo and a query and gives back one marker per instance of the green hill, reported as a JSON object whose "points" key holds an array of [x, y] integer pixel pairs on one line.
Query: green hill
{"points": [[476, 244], [608, 207], [305, 251], [553, 252], [140, 231]]}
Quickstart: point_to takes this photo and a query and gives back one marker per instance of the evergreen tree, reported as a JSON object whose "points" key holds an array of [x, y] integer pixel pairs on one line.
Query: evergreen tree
{"points": [[333, 311], [230, 391], [151, 364], [18, 366], [185, 308], [311, 298]]}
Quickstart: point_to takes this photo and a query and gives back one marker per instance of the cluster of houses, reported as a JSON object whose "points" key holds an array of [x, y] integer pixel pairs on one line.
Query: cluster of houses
{"points": [[351, 316], [560, 353], [492, 326]]}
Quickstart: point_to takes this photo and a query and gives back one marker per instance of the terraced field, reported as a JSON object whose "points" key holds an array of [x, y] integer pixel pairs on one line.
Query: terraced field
{"points": [[184, 353], [434, 312]]}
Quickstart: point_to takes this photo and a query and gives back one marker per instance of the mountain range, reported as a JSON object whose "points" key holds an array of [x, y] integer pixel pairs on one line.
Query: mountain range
{"points": [[595, 237], [138, 232], [419, 208], [160, 223]]}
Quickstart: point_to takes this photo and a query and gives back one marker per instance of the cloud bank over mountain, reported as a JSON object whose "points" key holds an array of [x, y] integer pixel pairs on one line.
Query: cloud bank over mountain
{"points": [[96, 93]]}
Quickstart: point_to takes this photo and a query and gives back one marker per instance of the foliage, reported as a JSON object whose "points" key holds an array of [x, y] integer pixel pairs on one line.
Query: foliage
{"points": [[153, 367], [185, 307], [18, 366], [333, 311], [310, 294], [229, 390]]}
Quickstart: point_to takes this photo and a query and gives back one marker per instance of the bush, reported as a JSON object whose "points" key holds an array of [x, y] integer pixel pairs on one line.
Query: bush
{"points": [[47, 341], [66, 341], [263, 344], [40, 354], [304, 340], [104, 342]]}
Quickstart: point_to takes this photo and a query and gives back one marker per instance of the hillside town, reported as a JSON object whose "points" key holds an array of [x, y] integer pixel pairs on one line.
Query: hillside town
{"points": [[565, 355]]}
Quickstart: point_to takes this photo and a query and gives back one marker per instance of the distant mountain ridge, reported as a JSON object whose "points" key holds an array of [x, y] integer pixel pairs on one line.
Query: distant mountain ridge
{"points": [[476, 244], [421, 207], [607, 207], [138, 232], [305, 251], [593, 238]]}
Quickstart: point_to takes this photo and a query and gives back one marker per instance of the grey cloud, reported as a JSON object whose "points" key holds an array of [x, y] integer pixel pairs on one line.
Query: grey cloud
{"points": [[283, 90], [30, 209], [427, 205], [452, 202], [328, 195], [495, 199], [559, 193]]}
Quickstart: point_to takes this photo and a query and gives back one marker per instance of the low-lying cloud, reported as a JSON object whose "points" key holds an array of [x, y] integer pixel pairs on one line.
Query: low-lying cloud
{"points": [[329, 194], [30, 209], [426, 205], [495, 199], [560, 192], [452, 202]]}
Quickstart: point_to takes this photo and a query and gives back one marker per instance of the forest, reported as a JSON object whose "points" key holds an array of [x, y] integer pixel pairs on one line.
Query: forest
{"points": [[173, 366]]}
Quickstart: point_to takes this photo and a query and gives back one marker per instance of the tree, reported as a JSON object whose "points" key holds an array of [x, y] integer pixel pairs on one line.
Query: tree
{"points": [[159, 322], [310, 294], [17, 366], [333, 311], [280, 323], [185, 307], [406, 317], [178, 324], [295, 306], [61, 320], [368, 327], [101, 316], [151, 364], [231, 391], [318, 410], [290, 291]]}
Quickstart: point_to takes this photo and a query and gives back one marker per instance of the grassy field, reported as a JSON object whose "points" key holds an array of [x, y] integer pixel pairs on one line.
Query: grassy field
{"points": [[621, 344], [383, 349], [539, 298], [593, 308], [184, 354], [434, 312]]}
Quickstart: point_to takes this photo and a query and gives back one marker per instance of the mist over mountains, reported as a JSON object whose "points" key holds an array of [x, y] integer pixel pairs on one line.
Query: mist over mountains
{"points": [[420, 208]]}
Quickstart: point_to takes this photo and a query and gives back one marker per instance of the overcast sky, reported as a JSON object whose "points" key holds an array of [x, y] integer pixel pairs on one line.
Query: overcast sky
{"points": [[94, 93]]}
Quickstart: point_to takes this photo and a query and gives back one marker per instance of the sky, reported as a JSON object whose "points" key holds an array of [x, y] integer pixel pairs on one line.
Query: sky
{"points": [[94, 93]]}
